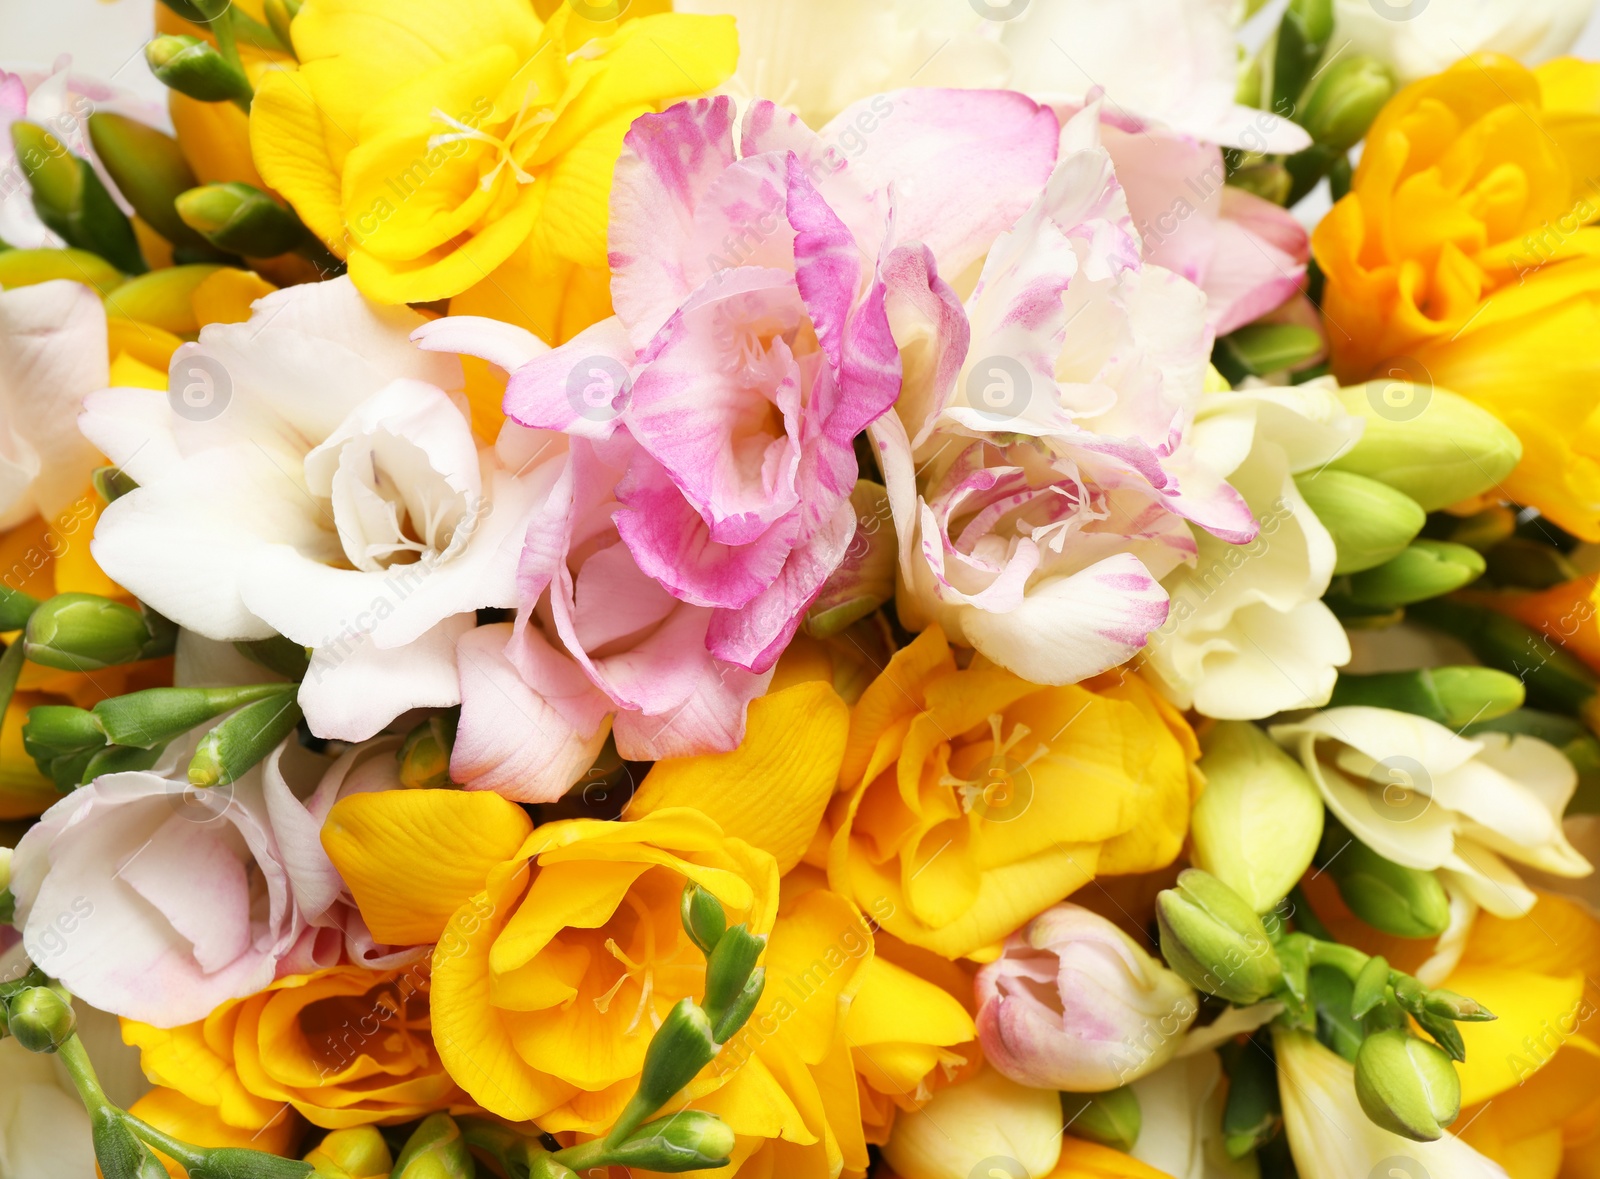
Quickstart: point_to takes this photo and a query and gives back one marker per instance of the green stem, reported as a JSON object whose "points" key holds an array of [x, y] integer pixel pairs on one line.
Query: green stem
{"points": [[1347, 960], [584, 1156], [229, 46], [75, 1057], [174, 1148]]}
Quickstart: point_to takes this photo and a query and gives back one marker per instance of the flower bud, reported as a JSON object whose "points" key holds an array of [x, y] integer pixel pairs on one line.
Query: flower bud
{"points": [[280, 14], [1259, 820], [1341, 104], [197, 69], [980, 1127], [238, 743], [1269, 180], [153, 717], [241, 219], [1450, 696], [425, 755], [435, 1150], [117, 1149], [729, 968], [703, 917], [357, 1153], [150, 170], [1426, 569], [84, 632], [865, 578], [681, 1047], [234, 1162], [1407, 1085], [71, 200], [1370, 522], [1301, 38], [1212, 937], [1074, 1003], [1404, 902], [689, 1141], [1112, 1118], [62, 740], [40, 1019], [1262, 348], [15, 608], [1448, 451]]}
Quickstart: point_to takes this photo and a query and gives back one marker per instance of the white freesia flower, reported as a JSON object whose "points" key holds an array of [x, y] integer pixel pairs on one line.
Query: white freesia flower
{"points": [[313, 473], [1173, 62], [867, 49], [52, 355], [1422, 796], [1248, 635], [987, 1119], [1331, 1138], [1416, 37], [1180, 1107]]}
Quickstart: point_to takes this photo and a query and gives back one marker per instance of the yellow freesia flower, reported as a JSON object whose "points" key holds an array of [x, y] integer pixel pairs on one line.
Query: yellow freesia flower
{"points": [[558, 949], [467, 151], [974, 800], [343, 1047], [1465, 255], [172, 1113]]}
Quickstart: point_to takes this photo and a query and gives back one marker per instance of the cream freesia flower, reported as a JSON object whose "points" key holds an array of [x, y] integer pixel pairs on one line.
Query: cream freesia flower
{"points": [[1416, 38], [1422, 796], [1247, 634]]}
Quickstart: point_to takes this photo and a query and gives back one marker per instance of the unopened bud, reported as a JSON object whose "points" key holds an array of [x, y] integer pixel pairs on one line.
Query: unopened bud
{"points": [[71, 200], [197, 69], [1301, 38], [16, 608], [1446, 451], [689, 1141], [241, 219], [1444, 1004], [865, 578], [150, 170], [1426, 569], [118, 1152], [1212, 937], [62, 740], [234, 1162], [1341, 104], [356, 1153], [1407, 1085], [425, 754], [435, 1150], [681, 1047], [1450, 696], [703, 917], [1259, 820], [238, 743], [40, 1019], [84, 632], [1259, 349], [729, 969], [1405, 902], [1112, 1119], [1370, 522], [1269, 180]]}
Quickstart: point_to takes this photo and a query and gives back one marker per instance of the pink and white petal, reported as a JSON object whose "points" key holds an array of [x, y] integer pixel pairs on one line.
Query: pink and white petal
{"points": [[1260, 261], [1174, 187], [581, 388], [511, 739], [354, 688], [133, 428], [1070, 628], [668, 162], [964, 164], [505, 345], [931, 330], [709, 721]]}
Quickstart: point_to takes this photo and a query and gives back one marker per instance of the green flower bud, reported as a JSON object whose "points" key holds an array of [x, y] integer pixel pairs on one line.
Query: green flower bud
{"points": [[62, 740], [1253, 1113], [1444, 1004], [1212, 937], [1259, 349], [72, 201], [21, 268], [1268, 180], [238, 743], [1259, 820], [425, 754], [689, 1141], [280, 14], [546, 1166], [232, 1162], [1436, 447], [16, 608], [1112, 1118], [681, 1047], [1405, 902], [1450, 696], [1300, 42], [865, 578], [111, 483], [728, 969], [241, 219], [150, 170], [155, 716], [1407, 1085], [284, 656], [196, 68], [40, 1019], [1371, 987], [83, 632], [1341, 104], [703, 917], [118, 1150], [435, 1150], [1370, 522], [1426, 569]]}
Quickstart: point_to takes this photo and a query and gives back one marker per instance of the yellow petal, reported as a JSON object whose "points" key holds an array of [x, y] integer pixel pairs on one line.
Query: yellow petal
{"points": [[289, 145], [411, 857], [227, 296], [1081, 1159], [771, 790], [1536, 1013], [173, 1113], [163, 298]]}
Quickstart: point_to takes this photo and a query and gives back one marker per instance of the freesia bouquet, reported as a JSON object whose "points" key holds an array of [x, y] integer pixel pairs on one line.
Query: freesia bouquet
{"points": [[794, 589]]}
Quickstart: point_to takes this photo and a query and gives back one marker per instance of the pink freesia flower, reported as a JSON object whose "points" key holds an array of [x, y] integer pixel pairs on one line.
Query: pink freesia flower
{"points": [[1074, 1003], [1038, 473], [156, 901]]}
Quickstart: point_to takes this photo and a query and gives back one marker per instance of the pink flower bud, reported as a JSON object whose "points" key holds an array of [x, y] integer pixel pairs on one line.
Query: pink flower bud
{"points": [[1074, 1003]]}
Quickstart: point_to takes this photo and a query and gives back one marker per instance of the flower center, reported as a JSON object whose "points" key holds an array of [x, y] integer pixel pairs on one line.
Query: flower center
{"points": [[643, 970], [507, 146], [999, 780]]}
